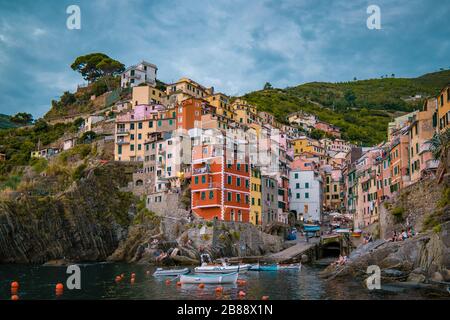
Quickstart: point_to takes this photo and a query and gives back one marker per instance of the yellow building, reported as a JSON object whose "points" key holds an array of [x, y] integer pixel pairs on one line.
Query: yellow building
{"points": [[255, 196], [146, 95], [443, 111], [244, 112], [186, 88], [305, 144], [222, 104]]}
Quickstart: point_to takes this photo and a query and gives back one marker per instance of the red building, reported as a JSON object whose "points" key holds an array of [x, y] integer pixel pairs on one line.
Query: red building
{"points": [[220, 184]]}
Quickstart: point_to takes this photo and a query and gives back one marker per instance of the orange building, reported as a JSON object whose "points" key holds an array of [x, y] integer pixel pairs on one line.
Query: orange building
{"points": [[399, 162], [220, 184], [189, 114], [443, 112]]}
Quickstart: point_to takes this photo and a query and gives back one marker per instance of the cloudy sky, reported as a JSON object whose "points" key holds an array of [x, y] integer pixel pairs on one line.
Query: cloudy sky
{"points": [[235, 46]]}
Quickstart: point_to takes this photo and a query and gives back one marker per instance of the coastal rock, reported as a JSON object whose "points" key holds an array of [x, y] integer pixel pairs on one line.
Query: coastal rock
{"points": [[416, 278]]}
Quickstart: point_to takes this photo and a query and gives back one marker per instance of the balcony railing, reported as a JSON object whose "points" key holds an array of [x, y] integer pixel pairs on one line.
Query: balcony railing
{"points": [[432, 164]]}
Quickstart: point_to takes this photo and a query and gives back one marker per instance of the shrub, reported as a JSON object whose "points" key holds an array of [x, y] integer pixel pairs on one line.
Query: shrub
{"points": [[79, 172], [398, 212], [39, 164]]}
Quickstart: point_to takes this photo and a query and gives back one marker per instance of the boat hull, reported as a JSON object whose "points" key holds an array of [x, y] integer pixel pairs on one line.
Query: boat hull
{"points": [[209, 278], [222, 269], [172, 272]]}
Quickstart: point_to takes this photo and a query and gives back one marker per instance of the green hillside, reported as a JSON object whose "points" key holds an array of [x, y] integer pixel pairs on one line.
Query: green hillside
{"points": [[362, 109], [6, 123]]}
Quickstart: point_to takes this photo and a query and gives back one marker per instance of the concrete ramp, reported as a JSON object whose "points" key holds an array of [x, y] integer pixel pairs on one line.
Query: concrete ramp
{"points": [[293, 253]]}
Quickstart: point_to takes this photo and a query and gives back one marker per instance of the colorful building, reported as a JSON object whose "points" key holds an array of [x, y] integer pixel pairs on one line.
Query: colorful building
{"points": [[143, 72], [269, 194], [443, 111], [220, 181], [255, 197], [146, 95]]}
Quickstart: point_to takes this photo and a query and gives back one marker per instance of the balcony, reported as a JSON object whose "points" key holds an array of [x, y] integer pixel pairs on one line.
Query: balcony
{"points": [[122, 132], [432, 164], [202, 170], [122, 142]]}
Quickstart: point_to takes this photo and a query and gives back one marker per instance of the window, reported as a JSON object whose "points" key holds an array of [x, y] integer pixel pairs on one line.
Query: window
{"points": [[297, 185], [203, 179], [306, 185], [211, 194], [119, 149], [131, 126], [229, 196], [238, 197], [253, 201], [297, 195], [335, 188], [159, 123], [131, 136], [232, 215], [238, 182], [307, 195], [196, 180], [246, 168], [139, 136], [203, 195], [140, 125], [131, 147], [238, 167], [229, 179], [150, 124], [296, 176], [239, 215], [139, 146]]}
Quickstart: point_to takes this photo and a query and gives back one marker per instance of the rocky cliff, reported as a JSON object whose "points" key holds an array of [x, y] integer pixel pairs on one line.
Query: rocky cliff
{"points": [[84, 223]]}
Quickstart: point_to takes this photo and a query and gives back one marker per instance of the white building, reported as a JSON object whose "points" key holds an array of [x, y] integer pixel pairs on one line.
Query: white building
{"points": [[143, 72], [306, 193]]}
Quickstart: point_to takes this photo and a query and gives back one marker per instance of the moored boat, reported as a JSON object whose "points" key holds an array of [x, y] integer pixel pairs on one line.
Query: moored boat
{"points": [[209, 278], [205, 268], [276, 267], [170, 272]]}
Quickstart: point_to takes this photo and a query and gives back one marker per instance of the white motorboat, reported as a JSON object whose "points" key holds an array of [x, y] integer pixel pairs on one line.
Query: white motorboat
{"points": [[170, 272], [224, 268], [209, 278]]}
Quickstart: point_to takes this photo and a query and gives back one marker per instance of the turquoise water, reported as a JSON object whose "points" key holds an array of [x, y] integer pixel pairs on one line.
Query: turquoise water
{"points": [[97, 282]]}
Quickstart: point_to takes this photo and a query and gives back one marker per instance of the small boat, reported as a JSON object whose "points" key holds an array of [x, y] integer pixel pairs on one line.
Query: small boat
{"points": [[209, 278], [258, 267], [291, 266], [171, 272], [276, 267], [311, 227], [205, 268]]}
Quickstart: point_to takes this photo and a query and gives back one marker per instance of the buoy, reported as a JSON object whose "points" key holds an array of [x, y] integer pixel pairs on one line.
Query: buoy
{"points": [[167, 282], [118, 279], [59, 286], [265, 298], [179, 283], [59, 292], [133, 275], [241, 294], [15, 284], [219, 290], [15, 297], [201, 286]]}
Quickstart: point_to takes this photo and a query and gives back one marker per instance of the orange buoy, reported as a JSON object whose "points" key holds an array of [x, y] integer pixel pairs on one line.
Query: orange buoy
{"points": [[15, 285], [14, 291], [59, 286], [179, 283], [241, 294], [201, 286], [118, 279], [167, 282], [59, 292], [265, 298], [15, 297], [219, 290]]}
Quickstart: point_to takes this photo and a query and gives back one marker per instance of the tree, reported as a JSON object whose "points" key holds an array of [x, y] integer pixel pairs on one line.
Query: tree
{"points": [[96, 65], [440, 144], [22, 118], [268, 86], [350, 97]]}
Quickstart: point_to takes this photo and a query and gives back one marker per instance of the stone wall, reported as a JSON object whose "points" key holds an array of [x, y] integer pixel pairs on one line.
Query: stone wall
{"points": [[417, 200]]}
